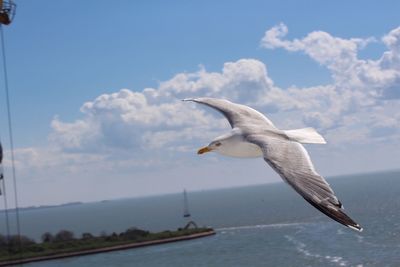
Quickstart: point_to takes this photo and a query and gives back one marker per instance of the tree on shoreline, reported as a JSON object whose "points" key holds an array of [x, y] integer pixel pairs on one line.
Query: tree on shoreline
{"points": [[47, 237], [65, 241], [87, 236], [64, 236]]}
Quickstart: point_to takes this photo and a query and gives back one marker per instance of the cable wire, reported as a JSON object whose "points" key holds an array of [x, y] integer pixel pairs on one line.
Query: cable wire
{"points": [[4, 193], [10, 133]]}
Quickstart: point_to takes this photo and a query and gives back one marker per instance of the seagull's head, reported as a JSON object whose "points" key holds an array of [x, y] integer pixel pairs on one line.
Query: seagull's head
{"points": [[225, 144], [232, 144], [213, 146]]}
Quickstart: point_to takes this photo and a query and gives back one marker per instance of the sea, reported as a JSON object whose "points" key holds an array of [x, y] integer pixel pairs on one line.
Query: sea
{"points": [[263, 225]]}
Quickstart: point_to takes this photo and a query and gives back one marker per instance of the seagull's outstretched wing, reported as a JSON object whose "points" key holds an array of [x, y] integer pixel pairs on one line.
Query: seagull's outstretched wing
{"points": [[292, 162], [236, 114]]}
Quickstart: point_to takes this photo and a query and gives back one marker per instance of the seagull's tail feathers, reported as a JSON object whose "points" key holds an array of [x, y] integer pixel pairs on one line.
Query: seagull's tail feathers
{"points": [[305, 136]]}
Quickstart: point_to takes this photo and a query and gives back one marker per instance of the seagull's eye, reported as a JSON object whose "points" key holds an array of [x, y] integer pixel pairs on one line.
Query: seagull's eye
{"points": [[217, 144]]}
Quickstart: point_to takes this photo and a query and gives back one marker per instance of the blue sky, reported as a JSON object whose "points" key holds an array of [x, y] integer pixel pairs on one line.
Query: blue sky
{"points": [[63, 54]]}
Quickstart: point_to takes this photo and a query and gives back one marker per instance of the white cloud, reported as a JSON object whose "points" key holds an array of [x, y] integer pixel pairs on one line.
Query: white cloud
{"points": [[379, 78], [357, 84], [155, 118], [245, 80], [336, 53], [126, 120]]}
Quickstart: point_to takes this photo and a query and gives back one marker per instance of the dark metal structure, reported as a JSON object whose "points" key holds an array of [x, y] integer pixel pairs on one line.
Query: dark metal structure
{"points": [[1, 162], [7, 11], [1, 153], [190, 223], [1, 166]]}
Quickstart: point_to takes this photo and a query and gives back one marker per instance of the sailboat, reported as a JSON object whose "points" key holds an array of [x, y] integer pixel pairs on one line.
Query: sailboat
{"points": [[186, 213]]}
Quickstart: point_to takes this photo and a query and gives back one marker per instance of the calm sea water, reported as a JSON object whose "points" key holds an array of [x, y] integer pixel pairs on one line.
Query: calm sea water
{"points": [[266, 225]]}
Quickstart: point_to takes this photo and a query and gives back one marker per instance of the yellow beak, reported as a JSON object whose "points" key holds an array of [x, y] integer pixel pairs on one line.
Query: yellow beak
{"points": [[204, 150]]}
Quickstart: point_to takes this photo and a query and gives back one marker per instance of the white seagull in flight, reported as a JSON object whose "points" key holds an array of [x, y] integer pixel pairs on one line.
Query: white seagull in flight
{"points": [[254, 135]]}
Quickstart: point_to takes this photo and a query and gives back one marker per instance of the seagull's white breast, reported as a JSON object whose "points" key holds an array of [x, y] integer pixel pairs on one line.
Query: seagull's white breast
{"points": [[240, 149]]}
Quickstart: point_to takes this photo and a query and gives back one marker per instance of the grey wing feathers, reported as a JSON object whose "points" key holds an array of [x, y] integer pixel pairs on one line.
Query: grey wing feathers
{"points": [[292, 162], [236, 114]]}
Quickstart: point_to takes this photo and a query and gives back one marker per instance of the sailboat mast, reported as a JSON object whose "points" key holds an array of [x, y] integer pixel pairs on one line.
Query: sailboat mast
{"points": [[185, 205]]}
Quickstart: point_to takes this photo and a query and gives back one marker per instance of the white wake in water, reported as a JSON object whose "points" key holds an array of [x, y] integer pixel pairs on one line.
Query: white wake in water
{"points": [[301, 247], [260, 226]]}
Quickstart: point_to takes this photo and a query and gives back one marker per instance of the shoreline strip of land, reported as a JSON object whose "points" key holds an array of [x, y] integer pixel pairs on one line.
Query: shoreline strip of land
{"points": [[108, 249]]}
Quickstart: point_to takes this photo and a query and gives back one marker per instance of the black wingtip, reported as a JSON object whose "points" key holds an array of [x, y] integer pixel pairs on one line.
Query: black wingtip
{"points": [[336, 214]]}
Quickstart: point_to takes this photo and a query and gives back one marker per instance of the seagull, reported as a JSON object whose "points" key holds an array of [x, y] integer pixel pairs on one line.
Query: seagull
{"points": [[254, 135]]}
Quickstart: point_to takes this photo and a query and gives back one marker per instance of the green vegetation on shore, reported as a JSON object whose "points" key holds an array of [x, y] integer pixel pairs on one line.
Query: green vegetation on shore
{"points": [[17, 248]]}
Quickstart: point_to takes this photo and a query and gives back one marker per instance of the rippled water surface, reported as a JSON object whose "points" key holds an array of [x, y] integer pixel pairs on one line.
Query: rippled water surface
{"points": [[266, 225]]}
